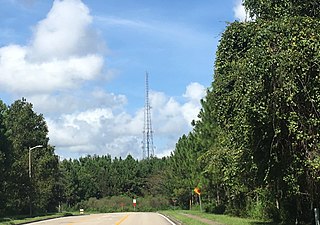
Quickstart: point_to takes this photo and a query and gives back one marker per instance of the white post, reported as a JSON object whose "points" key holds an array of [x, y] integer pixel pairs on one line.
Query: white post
{"points": [[316, 216]]}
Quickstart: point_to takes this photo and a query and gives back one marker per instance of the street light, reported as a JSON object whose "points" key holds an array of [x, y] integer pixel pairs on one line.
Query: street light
{"points": [[30, 149]]}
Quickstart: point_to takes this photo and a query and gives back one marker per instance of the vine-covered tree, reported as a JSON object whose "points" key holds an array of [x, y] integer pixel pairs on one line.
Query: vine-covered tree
{"points": [[272, 9], [265, 100]]}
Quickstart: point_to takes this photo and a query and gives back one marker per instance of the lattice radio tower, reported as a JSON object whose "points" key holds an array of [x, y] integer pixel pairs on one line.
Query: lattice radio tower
{"points": [[147, 143]]}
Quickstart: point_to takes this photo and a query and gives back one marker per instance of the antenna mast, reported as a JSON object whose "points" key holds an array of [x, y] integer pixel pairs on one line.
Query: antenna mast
{"points": [[148, 149]]}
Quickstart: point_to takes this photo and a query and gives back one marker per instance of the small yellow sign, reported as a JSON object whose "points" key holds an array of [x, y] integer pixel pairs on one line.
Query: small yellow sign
{"points": [[197, 191]]}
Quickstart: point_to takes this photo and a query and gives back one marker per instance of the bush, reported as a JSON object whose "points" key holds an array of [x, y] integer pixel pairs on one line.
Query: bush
{"points": [[215, 208], [262, 206]]}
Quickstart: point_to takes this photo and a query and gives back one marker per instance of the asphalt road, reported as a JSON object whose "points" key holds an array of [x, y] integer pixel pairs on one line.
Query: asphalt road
{"points": [[132, 218]]}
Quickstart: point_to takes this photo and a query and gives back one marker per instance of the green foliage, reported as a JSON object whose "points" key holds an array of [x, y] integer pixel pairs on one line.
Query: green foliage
{"points": [[100, 177], [215, 208], [123, 204], [20, 129], [194, 217], [272, 9], [70, 183], [185, 171], [269, 88], [257, 138]]}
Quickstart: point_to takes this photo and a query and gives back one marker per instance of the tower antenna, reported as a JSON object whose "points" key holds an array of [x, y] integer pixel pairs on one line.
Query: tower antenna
{"points": [[148, 149]]}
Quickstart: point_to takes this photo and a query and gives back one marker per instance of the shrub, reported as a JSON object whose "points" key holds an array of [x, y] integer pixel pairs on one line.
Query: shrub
{"points": [[215, 208]]}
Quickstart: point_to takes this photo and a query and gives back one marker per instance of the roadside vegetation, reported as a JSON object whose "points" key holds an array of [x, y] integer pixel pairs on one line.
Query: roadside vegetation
{"points": [[253, 153], [182, 216]]}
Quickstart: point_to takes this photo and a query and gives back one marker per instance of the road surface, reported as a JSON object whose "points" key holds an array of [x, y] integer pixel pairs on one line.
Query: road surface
{"points": [[130, 218]]}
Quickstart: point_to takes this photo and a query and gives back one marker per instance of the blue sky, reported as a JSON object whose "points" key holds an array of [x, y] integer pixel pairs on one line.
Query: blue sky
{"points": [[83, 63]]}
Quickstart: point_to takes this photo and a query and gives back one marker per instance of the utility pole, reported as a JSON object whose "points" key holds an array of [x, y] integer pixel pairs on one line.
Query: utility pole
{"points": [[148, 148]]}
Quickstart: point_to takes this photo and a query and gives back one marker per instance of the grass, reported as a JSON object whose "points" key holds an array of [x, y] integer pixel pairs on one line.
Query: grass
{"points": [[176, 215], [27, 219], [224, 219]]}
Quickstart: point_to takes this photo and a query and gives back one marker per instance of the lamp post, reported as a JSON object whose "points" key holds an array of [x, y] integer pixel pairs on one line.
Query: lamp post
{"points": [[30, 149]]}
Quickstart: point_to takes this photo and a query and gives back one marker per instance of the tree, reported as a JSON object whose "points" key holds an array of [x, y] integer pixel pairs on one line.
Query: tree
{"points": [[265, 95], [185, 169], [70, 182], [25, 129], [260, 119], [5, 161], [272, 9]]}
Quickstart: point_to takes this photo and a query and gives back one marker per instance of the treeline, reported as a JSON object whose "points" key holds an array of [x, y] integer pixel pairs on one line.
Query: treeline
{"points": [[255, 149], [101, 176], [51, 184]]}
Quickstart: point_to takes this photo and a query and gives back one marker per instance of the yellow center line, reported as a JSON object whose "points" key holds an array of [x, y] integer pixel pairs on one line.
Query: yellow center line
{"points": [[122, 219]]}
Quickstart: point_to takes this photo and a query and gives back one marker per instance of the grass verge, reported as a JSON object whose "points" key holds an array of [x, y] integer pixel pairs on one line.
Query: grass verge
{"points": [[222, 219]]}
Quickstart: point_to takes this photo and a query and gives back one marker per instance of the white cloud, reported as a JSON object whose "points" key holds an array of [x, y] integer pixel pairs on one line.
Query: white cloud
{"points": [[103, 130], [61, 55], [95, 130], [68, 102], [65, 32], [240, 12], [195, 91]]}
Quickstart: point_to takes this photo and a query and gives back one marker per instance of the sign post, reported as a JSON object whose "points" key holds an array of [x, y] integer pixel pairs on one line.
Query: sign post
{"points": [[134, 201], [174, 203], [198, 192]]}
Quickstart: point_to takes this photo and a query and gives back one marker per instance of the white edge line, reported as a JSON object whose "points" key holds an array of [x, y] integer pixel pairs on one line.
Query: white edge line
{"points": [[167, 219], [44, 221]]}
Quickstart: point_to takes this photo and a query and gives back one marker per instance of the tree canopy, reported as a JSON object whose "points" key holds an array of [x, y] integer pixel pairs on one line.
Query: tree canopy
{"points": [[258, 133], [271, 9]]}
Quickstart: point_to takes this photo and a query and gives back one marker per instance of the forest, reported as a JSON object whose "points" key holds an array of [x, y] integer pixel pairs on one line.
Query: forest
{"points": [[254, 150]]}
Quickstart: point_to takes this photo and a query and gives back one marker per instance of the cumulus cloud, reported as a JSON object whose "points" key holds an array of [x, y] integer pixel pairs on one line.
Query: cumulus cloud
{"points": [[103, 131], [71, 101], [240, 12], [61, 55], [195, 91], [65, 53], [65, 32]]}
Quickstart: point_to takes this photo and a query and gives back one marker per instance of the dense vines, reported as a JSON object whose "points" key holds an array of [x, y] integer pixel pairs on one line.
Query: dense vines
{"points": [[265, 96], [272, 9], [260, 120]]}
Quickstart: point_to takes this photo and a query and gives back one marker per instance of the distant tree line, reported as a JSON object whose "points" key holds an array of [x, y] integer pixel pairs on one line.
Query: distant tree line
{"points": [[102, 176], [52, 183]]}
